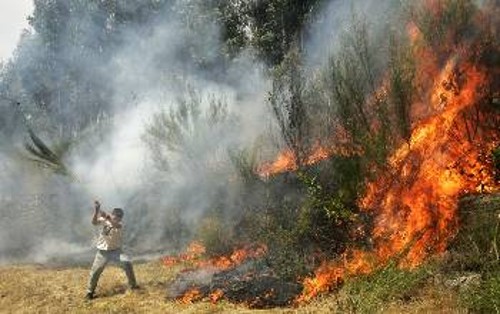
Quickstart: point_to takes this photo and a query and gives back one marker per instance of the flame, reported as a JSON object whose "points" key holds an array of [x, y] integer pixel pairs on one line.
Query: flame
{"points": [[190, 296], [237, 257], [195, 255], [414, 201], [216, 295], [423, 207], [415, 204], [286, 161], [194, 251]]}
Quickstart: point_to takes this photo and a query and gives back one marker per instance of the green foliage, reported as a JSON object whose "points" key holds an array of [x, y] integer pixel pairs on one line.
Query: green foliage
{"points": [[289, 254], [370, 293], [350, 82], [476, 247], [216, 236], [484, 298], [329, 212], [277, 26], [246, 163], [331, 205], [311, 219], [446, 20], [290, 107]]}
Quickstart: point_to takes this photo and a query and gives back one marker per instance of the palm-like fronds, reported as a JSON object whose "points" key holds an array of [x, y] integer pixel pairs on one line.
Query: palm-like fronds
{"points": [[42, 155]]}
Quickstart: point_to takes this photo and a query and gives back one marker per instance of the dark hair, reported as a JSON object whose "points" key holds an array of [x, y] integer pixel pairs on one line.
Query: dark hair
{"points": [[118, 212]]}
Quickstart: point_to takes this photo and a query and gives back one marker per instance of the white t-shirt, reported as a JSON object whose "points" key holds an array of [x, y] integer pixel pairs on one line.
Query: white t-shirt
{"points": [[110, 238]]}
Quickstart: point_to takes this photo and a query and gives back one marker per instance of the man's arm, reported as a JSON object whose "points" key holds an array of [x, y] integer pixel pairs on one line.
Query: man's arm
{"points": [[98, 213]]}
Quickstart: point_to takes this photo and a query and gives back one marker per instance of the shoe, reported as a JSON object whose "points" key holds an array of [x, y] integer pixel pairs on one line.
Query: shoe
{"points": [[135, 287], [89, 296]]}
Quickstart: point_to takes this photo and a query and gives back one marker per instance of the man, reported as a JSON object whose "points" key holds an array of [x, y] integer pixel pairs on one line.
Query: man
{"points": [[109, 247]]}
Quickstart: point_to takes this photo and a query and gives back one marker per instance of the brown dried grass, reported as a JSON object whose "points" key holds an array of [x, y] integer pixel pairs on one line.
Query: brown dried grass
{"points": [[41, 289]]}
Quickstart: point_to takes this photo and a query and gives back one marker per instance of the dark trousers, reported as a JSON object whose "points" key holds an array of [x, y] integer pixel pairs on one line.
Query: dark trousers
{"points": [[102, 258]]}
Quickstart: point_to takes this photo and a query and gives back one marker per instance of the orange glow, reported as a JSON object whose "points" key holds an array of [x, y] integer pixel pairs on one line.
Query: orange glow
{"points": [[192, 295], [415, 211], [194, 251], [216, 295], [286, 159], [234, 259], [414, 200], [413, 32], [195, 256]]}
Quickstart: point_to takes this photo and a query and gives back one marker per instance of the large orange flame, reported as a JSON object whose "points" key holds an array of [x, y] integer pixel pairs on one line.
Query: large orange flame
{"points": [[414, 201]]}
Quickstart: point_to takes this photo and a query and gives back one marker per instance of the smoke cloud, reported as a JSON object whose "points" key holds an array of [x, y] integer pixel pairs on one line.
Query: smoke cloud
{"points": [[46, 217], [151, 67]]}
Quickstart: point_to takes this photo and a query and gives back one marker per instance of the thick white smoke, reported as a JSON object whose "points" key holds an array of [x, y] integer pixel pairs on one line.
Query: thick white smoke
{"points": [[47, 217], [147, 73]]}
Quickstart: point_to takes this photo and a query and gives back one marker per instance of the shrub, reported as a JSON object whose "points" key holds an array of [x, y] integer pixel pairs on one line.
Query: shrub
{"points": [[216, 236], [446, 20], [476, 246], [287, 256]]}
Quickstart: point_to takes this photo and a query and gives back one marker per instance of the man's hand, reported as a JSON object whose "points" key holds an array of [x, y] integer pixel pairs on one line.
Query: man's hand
{"points": [[97, 210]]}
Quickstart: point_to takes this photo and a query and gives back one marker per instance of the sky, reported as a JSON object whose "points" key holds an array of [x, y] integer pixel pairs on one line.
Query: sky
{"points": [[13, 19]]}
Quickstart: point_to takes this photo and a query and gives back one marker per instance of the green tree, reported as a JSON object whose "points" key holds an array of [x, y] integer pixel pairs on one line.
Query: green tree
{"points": [[290, 107], [277, 25]]}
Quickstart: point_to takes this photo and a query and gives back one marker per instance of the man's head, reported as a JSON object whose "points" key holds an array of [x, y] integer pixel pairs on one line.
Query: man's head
{"points": [[117, 214]]}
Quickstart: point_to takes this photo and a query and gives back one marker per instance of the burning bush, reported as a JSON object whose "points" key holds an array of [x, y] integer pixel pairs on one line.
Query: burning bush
{"points": [[412, 194], [406, 137]]}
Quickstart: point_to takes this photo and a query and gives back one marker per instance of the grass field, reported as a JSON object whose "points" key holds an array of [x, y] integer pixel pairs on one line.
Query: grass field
{"points": [[41, 289], [429, 289]]}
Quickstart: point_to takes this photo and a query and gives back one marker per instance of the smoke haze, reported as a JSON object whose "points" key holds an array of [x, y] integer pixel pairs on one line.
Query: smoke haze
{"points": [[150, 67]]}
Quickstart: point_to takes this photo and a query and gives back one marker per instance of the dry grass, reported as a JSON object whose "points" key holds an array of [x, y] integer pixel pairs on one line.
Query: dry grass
{"points": [[40, 289], [431, 299]]}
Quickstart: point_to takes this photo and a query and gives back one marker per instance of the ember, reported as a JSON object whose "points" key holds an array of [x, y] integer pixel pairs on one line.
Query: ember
{"points": [[224, 277], [250, 283]]}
